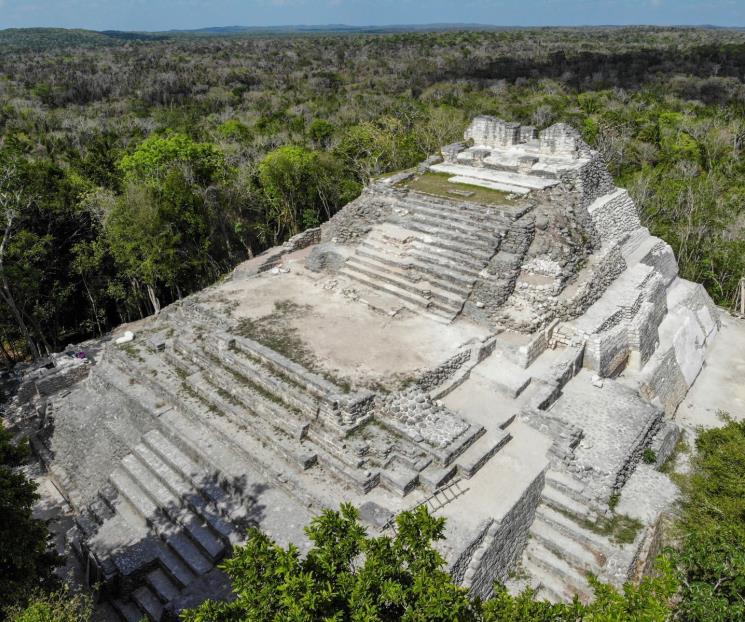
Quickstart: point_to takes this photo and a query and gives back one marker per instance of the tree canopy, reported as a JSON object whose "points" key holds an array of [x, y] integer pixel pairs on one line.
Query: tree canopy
{"points": [[26, 563]]}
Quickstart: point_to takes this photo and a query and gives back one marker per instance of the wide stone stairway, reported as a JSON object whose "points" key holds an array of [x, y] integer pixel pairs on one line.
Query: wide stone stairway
{"points": [[562, 549], [429, 255], [229, 433]]}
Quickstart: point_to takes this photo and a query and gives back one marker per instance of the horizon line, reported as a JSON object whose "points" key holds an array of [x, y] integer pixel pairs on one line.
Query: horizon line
{"points": [[381, 26]]}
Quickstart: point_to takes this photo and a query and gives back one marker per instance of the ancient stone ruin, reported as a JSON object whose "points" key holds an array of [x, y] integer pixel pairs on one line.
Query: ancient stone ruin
{"points": [[494, 335]]}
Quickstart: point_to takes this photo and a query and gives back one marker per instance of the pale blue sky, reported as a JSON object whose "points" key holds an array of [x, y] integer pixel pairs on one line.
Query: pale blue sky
{"points": [[167, 14]]}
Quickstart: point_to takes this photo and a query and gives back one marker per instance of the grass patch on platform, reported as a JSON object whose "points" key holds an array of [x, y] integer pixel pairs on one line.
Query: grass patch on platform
{"points": [[437, 184], [618, 528]]}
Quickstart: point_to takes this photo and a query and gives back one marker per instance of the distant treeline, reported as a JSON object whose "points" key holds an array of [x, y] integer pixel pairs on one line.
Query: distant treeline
{"points": [[134, 170]]}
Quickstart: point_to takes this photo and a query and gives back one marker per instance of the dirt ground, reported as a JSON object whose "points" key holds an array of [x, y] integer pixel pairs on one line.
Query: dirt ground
{"points": [[348, 337]]}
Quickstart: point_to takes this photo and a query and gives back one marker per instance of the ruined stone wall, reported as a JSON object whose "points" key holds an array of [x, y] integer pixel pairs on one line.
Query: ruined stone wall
{"points": [[614, 216], [356, 219], [503, 543], [62, 378], [442, 373], [607, 352], [592, 181], [642, 442], [493, 132], [303, 239], [610, 266], [663, 260], [497, 281]]}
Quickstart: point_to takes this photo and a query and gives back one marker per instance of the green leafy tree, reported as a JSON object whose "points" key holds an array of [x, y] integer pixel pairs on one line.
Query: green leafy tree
{"points": [[63, 605], [350, 576], [712, 552], [26, 563], [156, 156], [301, 187], [345, 575]]}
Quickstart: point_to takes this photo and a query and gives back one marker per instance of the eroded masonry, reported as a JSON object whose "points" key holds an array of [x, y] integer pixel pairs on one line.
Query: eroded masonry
{"points": [[494, 335]]}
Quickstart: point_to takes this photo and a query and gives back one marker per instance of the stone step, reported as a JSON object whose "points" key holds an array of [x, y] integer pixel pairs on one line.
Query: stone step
{"points": [[264, 393], [476, 231], [465, 209], [189, 553], [288, 450], [568, 485], [553, 571], [283, 394], [473, 253], [187, 493], [469, 218], [228, 392], [481, 451], [100, 511], [441, 235], [562, 523], [548, 592], [438, 298], [434, 476], [194, 427], [172, 507], [190, 471], [407, 298], [399, 479], [133, 494], [127, 610], [162, 586], [550, 586], [310, 382], [217, 445], [567, 548], [448, 277], [405, 279], [437, 257], [458, 268], [148, 602], [564, 503], [141, 503], [436, 237], [460, 259], [174, 568]]}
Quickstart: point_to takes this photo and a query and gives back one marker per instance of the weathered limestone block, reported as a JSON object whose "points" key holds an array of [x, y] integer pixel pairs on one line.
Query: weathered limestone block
{"points": [[560, 138], [503, 543], [493, 132], [450, 152], [614, 216], [356, 219]]}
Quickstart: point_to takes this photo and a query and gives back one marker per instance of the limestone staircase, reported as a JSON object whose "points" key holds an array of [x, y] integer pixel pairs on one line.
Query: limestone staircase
{"points": [[431, 258], [222, 413], [179, 520], [561, 551]]}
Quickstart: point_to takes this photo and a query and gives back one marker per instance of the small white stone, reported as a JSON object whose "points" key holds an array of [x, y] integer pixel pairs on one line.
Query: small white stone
{"points": [[480, 304], [597, 381]]}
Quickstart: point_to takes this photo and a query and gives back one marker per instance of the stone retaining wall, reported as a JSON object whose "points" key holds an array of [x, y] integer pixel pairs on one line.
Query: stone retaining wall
{"points": [[503, 543], [614, 216], [63, 378], [355, 219], [442, 373]]}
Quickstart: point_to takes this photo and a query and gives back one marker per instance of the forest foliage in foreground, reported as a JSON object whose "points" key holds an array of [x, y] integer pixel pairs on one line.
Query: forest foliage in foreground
{"points": [[133, 172], [351, 576]]}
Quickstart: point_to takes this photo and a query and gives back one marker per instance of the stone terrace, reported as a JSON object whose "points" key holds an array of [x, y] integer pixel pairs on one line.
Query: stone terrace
{"points": [[505, 363]]}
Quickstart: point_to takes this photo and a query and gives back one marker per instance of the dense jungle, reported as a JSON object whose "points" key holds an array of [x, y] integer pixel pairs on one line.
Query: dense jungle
{"points": [[135, 169]]}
